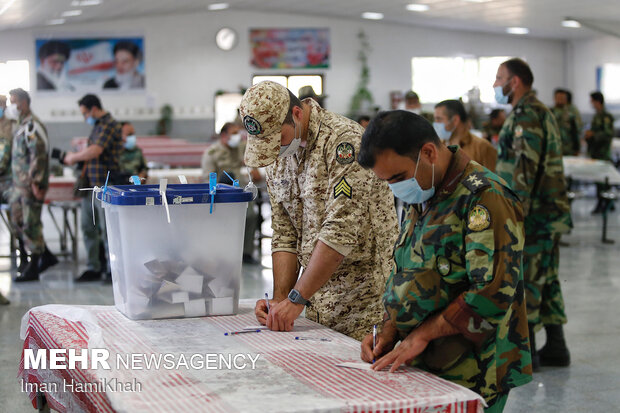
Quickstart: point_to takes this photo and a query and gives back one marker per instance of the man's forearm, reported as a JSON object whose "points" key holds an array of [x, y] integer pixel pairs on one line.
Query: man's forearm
{"points": [[323, 263], [434, 328], [87, 154], [285, 271]]}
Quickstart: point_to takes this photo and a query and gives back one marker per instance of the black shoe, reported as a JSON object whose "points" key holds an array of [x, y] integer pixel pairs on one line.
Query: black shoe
{"points": [[535, 357], [554, 353], [248, 259], [47, 260], [107, 280], [23, 262], [89, 275], [31, 272]]}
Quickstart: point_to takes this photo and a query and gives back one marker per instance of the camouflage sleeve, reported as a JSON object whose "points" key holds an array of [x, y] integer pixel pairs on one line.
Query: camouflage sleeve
{"points": [[606, 133], [142, 165], [349, 194], [284, 236], [39, 158], [207, 164], [5, 155], [493, 257]]}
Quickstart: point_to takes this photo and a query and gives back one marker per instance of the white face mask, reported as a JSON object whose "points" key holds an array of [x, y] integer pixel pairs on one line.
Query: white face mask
{"points": [[234, 140], [11, 112], [291, 149]]}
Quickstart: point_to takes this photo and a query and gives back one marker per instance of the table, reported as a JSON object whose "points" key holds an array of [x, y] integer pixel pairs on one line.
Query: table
{"points": [[61, 195], [291, 375]]}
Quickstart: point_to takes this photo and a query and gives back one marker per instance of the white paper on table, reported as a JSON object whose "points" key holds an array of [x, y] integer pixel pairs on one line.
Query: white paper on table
{"points": [[359, 365]]}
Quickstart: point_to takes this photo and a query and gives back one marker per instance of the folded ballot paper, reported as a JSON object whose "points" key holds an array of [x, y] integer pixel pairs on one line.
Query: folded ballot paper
{"points": [[172, 288]]}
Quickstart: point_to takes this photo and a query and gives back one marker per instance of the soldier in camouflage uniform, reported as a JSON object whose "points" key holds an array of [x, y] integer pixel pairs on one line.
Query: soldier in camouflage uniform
{"points": [[599, 138], [329, 215], [569, 123], [455, 296], [30, 174], [6, 141], [227, 155], [132, 160], [530, 160]]}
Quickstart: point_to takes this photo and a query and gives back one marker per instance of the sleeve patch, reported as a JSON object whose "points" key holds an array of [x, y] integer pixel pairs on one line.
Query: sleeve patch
{"points": [[345, 153], [479, 219], [343, 188]]}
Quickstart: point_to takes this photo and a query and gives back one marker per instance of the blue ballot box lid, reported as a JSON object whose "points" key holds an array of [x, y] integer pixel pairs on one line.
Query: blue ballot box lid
{"points": [[176, 194]]}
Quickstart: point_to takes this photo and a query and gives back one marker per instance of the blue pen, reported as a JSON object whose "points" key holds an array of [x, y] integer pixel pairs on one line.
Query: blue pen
{"points": [[234, 333], [374, 339], [267, 302]]}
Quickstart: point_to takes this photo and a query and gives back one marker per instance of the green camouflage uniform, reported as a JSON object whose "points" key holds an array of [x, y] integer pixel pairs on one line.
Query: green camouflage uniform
{"points": [[530, 160], [132, 161], [599, 146], [569, 124], [219, 158], [6, 144], [489, 131], [29, 166], [461, 257]]}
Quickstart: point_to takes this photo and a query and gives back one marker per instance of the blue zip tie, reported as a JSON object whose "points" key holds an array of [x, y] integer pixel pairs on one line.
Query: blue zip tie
{"points": [[234, 181], [212, 189], [105, 186], [136, 180]]}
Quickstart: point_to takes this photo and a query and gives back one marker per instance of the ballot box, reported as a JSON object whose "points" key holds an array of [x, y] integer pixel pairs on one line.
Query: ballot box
{"points": [[175, 251]]}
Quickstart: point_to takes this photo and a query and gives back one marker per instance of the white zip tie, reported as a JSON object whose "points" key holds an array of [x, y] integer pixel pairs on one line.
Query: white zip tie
{"points": [[95, 190], [163, 184]]}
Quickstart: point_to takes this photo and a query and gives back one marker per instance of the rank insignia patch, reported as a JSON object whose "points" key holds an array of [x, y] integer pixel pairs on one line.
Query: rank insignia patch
{"points": [[345, 153], [443, 265], [343, 188], [479, 218], [252, 125]]}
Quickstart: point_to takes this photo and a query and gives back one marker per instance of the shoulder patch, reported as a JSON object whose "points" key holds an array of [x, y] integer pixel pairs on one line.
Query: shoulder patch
{"points": [[343, 188], [252, 125], [479, 218], [443, 265], [519, 131], [345, 153], [476, 181]]}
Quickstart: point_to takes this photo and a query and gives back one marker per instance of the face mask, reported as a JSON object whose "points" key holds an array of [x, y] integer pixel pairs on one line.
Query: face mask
{"points": [[499, 94], [131, 142], [440, 128], [410, 190], [11, 111], [90, 120], [290, 149], [234, 140]]}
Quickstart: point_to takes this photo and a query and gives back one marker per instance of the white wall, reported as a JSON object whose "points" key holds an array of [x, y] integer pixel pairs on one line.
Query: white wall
{"points": [[584, 56], [185, 68]]}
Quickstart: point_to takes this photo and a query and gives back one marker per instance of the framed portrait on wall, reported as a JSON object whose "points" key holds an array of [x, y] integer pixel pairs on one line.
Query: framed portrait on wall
{"points": [[290, 48]]}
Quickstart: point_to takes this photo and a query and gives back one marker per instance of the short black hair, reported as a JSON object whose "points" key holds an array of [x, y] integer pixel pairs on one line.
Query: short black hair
{"points": [[569, 96], [454, 107], [54, 47], [21, 95], [130, 47], [495, 113], [90, 101], [597, 97], [402, 131], [411, 95], [227, 126], [559, 90], [293, 101], [517, 67]]}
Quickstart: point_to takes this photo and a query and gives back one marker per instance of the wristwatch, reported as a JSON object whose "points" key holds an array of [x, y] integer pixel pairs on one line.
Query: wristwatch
{"points": [[296, 298]]}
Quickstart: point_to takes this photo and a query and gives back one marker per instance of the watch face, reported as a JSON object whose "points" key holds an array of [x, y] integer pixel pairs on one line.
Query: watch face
{"points": [[294, 295], [226, 38]]}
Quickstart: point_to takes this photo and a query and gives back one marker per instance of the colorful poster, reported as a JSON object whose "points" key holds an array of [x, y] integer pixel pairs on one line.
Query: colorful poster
{"points": [[290, 48], [87, 65]]}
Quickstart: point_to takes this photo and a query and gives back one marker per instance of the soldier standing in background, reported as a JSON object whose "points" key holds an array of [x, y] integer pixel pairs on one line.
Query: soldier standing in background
{"points": [[530, 160], [569, 123], [132, 160], [329, 215], [30, 172], [6, 142]]}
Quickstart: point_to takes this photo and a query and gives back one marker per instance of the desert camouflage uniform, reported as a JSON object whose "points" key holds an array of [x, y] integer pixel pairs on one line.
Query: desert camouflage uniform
{"points": [[29, 166], [219, 158], [132, 161], [322, 193], [530, 160], [569, 124], [461, 256], [6, 144], [599, 146]]}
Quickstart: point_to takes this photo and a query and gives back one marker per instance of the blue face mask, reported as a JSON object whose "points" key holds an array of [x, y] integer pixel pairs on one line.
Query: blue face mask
{"points": [[90, 120], [410, 190], [130, 143], [442, 132], [499, 94]]}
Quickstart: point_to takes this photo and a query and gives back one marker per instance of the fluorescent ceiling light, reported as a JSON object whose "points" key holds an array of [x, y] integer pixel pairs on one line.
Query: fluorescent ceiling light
{"points": [[417, 7], [80, 3], [55, 22], [371, 15], [571, 23], [218, 6], [518, 30], [6, 6], [71, 13], [477, 1]]}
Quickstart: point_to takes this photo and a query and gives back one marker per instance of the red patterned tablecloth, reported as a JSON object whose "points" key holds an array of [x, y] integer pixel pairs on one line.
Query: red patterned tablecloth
{"points": [[290, 375]]}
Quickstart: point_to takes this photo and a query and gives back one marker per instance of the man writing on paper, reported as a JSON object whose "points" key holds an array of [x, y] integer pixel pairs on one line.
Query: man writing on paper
{"points": [[455, 297], [329, 216]]}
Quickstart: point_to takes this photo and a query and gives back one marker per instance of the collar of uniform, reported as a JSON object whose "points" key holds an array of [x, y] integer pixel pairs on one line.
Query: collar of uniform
{"points": [[314, 123], [466, 139], [527, 98], [453, 174]]}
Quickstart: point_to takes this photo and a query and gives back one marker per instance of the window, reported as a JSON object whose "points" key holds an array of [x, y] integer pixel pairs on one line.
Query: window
{"points": [[14, 74], [226, 109], [610, 82], [294, 82], [439, 78]]}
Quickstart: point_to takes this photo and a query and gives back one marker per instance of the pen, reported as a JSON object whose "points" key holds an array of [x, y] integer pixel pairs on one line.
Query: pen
{"points": [[232, 333], [267, 301], [374, 339], [312, 339]]}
